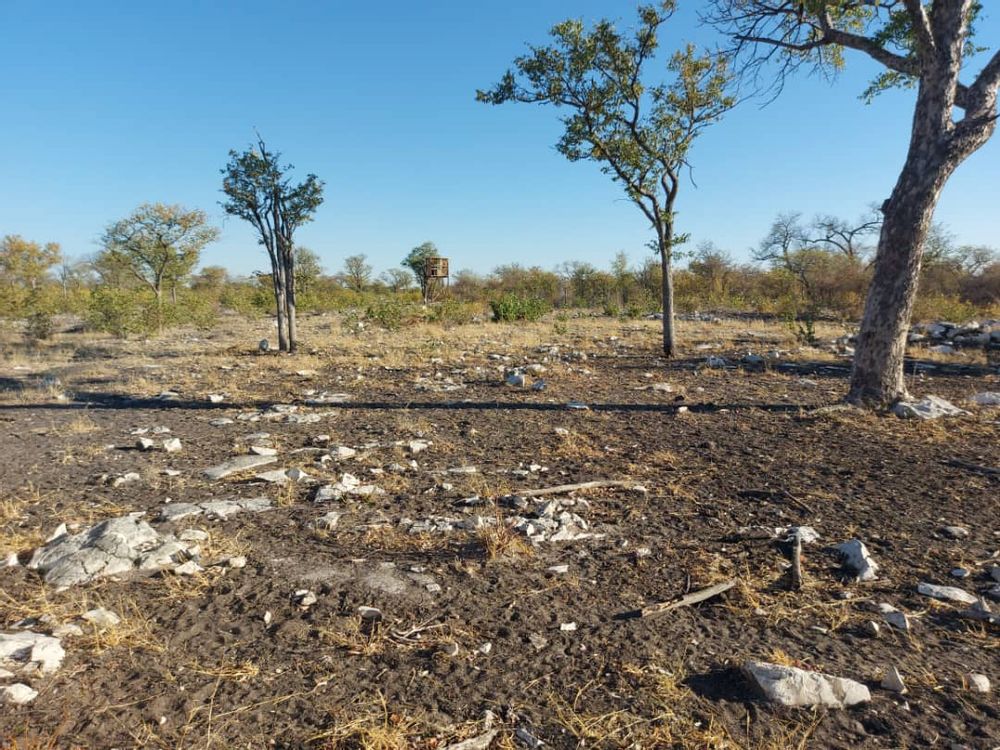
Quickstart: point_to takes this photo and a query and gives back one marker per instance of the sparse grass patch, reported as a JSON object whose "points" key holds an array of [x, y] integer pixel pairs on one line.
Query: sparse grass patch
{"points": [[392, 539], [376, 727], [500, 541], [227, 671]]}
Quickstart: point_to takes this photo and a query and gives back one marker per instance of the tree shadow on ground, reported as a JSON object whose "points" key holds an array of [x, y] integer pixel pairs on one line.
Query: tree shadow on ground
{"points": [[100, 400]]}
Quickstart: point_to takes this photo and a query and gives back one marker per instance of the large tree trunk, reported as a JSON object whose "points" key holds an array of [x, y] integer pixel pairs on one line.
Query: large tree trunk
{"points": [[877, 378], [938, 144], [667, 288]]}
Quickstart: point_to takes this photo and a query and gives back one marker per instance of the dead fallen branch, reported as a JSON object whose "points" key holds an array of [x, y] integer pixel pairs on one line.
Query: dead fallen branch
{"points": [[775, 495], [682, 601], [989, 471], [563, 489]]}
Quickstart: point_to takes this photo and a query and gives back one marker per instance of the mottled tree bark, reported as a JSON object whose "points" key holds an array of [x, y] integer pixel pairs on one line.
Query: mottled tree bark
{"points": [[667, 289], [938, 144]]}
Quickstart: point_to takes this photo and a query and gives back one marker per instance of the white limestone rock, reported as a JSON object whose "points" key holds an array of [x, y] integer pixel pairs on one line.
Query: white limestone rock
{"points": [[790, 686], [857, 558]]}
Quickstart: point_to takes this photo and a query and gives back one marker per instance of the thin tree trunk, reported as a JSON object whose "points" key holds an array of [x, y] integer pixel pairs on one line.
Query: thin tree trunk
{"points": [[293, 337], [667, 284], [159, 307], [278, 279]]}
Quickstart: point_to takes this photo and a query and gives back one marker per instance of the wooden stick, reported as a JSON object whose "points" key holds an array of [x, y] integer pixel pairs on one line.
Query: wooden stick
{"points": [[797, 561], [687, 599], [564, 488]]}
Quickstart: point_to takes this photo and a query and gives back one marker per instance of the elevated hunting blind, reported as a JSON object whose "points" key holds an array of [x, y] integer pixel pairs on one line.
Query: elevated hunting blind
{"points": [[436, 268]]}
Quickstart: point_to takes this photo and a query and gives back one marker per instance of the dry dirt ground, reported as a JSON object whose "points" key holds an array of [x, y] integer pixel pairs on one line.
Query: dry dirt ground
{"points": [[228, 658]]}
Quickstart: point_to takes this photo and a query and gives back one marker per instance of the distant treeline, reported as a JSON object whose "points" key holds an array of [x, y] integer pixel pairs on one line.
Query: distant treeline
{"points": [[792, 276]]}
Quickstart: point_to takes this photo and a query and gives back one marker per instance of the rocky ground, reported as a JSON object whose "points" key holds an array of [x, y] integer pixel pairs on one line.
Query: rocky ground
{"points": [[376, 543]]}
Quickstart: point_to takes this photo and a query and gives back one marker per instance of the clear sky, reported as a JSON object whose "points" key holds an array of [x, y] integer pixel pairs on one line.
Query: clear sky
{"points": [[111, 103]]}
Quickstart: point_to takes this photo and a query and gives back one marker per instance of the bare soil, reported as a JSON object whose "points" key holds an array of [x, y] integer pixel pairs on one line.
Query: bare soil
{"points": [[195, 663]]}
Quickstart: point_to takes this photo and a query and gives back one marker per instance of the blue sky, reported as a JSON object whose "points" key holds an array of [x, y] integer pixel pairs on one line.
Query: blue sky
{"points": [[109, 104]]}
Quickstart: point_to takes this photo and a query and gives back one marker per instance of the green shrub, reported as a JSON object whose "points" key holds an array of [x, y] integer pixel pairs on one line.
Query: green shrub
{"points": [[386, 312], [451, 312], [38, 326], [121, 312], [512, 307]]}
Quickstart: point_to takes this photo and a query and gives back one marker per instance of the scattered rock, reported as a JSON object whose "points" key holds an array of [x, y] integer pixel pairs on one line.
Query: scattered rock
{"points": [[417, 446], [790, 686], [236, 465], [946, 593], [214, 509], [348, 485], [67, 630], [955, 532], [304, 598], [329, 521], [538, 641], [929, 407], [988, 398], [716, 362], [172, 445], [236, 562], [145, 444], [857, 558], [30, 653], [190, 568], [978, 683], [112, 547], [893, 680], [101, 618], [479, 742], [126, 478], [894, 617], [283, 476], [371, 614], [18, 693], [527, 739], [263, 450]]}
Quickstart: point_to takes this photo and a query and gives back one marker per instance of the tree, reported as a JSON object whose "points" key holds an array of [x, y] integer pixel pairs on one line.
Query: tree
{"points": [[641, 134], [308, 269], [260, 191], [158, 245], [24, 263], [834, 233], [416, 262], [397, 279], [357, 272], [211, 277], [921, 45]]}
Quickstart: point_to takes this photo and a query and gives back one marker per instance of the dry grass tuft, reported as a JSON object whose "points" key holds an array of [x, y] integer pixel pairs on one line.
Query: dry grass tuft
{"points": [[377, 728], [392, 539], [228, 671], [500, 541]]}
